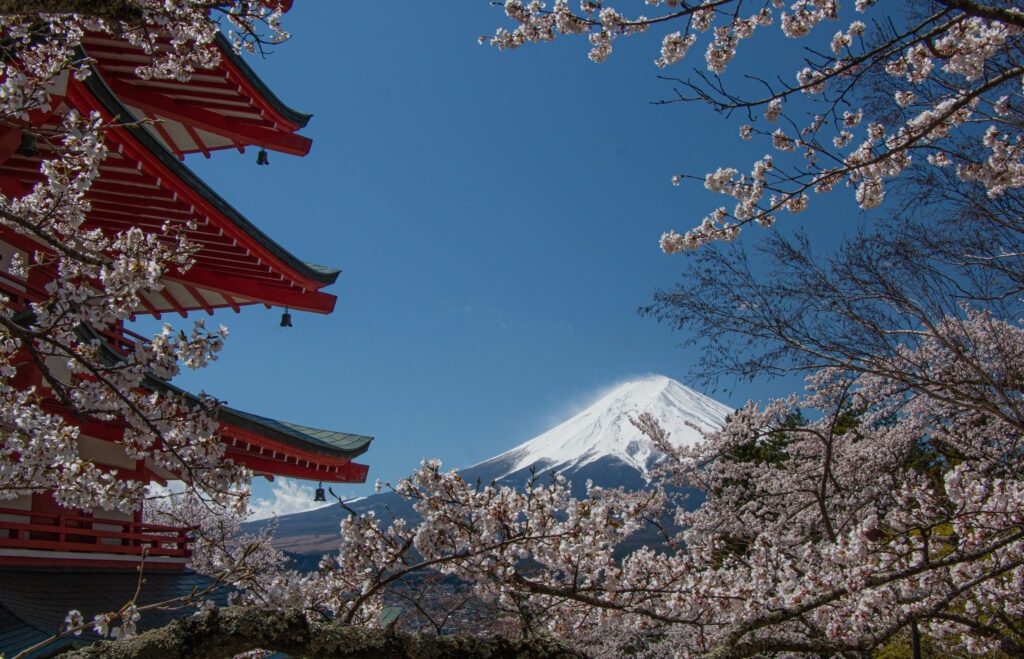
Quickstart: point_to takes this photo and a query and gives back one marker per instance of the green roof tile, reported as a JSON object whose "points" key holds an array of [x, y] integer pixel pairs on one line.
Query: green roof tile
{"points": [[326, 442]]}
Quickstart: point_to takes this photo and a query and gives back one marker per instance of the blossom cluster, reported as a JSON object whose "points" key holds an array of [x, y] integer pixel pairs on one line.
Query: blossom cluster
{"points": [[831, 521], [931, 79], [94, 281]]}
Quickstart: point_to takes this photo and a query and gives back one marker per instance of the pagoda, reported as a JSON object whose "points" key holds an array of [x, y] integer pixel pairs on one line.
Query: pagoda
{"points": [[154, 125]]}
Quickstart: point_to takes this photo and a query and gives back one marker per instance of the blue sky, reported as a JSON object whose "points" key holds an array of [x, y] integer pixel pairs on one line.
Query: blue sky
{"points": [[496, 217]]}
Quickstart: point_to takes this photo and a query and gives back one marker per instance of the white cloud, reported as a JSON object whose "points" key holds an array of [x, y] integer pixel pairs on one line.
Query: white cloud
{"points": [[158, 491], [287, 496]]}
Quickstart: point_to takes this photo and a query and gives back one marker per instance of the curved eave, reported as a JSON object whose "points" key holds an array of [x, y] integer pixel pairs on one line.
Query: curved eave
{"points": [[109, 101], [343, 445], [267, 446], [225, 107], [260, 88]]}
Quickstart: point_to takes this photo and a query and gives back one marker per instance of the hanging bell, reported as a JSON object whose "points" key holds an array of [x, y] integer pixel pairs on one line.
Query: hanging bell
{"points": [[261, 157], [28, 146], [286, 319], [320, 496]]}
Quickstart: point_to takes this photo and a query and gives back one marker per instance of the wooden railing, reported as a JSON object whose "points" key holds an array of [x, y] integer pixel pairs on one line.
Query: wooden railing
{"points": [[123, 340], [19, 294], [25, 529]]}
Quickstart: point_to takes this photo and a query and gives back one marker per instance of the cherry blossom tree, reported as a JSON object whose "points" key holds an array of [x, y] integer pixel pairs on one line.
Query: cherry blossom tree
{"points": [[95, 280], [879, 516], [57, 370], [880, 509], [883, 506], [883, 86]]}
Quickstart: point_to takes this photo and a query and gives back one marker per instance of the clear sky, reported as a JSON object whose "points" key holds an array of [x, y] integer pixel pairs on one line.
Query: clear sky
{"points": [[496, 216]]}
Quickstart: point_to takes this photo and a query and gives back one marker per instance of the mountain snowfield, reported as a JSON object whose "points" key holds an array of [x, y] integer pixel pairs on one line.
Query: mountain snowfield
{"points": [[604, 430], [598, 445]]}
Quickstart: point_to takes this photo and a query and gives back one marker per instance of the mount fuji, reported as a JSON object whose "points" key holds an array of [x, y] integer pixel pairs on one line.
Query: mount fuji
{"points": [[602, 444], [599, 444]]}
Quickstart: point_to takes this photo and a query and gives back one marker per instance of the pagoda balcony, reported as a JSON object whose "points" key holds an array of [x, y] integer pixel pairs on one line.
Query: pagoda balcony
{"points": [[28, 534], [122, 340], [20, 295]]}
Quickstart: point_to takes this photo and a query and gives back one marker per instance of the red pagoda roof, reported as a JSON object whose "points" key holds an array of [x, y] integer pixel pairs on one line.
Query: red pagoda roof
{"points": [[272, 447], [226, 107], [142, 185]]}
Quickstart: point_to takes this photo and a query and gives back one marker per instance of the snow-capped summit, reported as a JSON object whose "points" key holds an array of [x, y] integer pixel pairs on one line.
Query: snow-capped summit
{"points": [[603, 432], [599, 444]]}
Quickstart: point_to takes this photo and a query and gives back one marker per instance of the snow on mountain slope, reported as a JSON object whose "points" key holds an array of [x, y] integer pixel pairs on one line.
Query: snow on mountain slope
{"points": [[599, 444], [604, 431]]}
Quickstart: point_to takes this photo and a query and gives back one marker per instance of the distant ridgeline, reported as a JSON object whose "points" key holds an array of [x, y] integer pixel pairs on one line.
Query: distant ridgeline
{"points": [[600, 444]]}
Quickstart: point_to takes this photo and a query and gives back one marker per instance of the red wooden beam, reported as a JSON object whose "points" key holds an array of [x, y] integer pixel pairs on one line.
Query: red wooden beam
{"points": [[144, 199], [120, 61], [26, 244], [240, 264], [248, 88], [194, 292], [190, 113], [10, 140], [128, 175], [198, 140], [255, 120], [110, 187], [168, 140], [173, 301], [125, 70], [349, 473], [225, 265], [250, 442], [353, 472], [159, 216], [110, 432], [149, 307], [314, 301], [12, 186], [211, 242], [218, 105], [111, 220], [219, 86]]}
